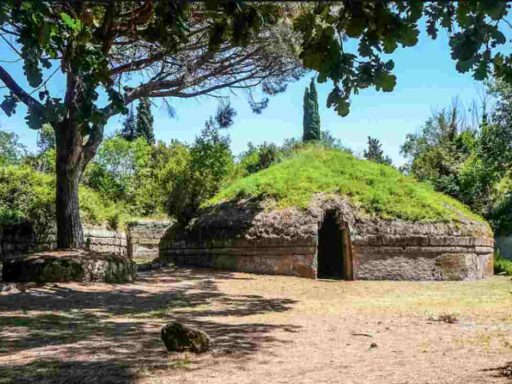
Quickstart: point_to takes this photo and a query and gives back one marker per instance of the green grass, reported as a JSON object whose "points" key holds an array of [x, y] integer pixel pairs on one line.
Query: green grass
{"points": [[376, 189]]}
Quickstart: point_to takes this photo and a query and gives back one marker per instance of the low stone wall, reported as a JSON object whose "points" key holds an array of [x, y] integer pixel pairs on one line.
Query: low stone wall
{"points": [[144, 239], [18, 239], [106, 241], [139, 242]]}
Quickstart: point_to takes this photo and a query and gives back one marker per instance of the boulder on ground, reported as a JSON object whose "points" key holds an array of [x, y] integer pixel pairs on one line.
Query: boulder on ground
{"points": [[180, 338]]}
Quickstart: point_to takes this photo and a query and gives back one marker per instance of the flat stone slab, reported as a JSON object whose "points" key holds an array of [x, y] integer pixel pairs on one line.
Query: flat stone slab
{"points": [[68, 265]]}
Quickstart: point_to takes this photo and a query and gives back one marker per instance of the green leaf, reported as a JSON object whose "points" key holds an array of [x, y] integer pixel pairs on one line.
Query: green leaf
{"points": [[34, 120], [389, 45], [342, 107], [355, 27], [9, 105], [70, 22], [464, 65], [385, 81], [495, 9]]}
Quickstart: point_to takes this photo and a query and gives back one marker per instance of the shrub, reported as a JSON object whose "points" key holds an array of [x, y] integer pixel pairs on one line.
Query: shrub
{"points": [[28, 195], [502, 265], [258, 157]]}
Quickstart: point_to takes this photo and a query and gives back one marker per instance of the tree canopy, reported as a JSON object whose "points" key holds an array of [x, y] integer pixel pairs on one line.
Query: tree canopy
{"points": [[112, 53]]}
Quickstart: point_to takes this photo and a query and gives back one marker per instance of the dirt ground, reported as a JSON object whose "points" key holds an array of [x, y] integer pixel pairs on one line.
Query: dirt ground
{"points": [[265, 329]]}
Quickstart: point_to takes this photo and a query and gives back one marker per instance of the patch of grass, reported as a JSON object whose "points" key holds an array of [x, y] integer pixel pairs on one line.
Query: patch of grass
{"points": [[377, 189]]}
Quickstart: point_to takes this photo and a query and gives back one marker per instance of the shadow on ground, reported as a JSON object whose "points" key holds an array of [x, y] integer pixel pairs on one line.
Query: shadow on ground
{"points": [[504, 371], [84, 335]]}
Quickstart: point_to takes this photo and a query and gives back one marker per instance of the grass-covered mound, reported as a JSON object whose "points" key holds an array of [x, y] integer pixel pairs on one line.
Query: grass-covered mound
{"points": [[376, 189]]}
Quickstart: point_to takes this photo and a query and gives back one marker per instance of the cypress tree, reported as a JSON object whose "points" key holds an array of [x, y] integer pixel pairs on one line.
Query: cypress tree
{"points": [[144, 126], [129, 129], [311, 119]]}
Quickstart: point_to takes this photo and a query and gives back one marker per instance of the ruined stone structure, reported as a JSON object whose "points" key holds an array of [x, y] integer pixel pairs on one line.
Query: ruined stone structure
{"points": [[144, 238], [139, 242], [109, 255], [330, 239], [20, 238]]}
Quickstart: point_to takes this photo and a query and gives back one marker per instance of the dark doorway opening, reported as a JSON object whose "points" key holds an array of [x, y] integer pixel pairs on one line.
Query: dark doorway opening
{"points": [[330, 249]]}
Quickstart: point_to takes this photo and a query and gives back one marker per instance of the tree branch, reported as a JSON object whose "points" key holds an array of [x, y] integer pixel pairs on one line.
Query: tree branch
{"points": [[24, 97]]}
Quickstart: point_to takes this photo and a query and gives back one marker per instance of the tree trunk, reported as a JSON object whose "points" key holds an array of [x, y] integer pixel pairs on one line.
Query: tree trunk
{"points": [[69, 171]]}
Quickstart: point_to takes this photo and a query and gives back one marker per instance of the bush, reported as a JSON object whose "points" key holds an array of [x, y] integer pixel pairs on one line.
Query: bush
{"points": [[258, 157], [502, 265], [28, 195]]}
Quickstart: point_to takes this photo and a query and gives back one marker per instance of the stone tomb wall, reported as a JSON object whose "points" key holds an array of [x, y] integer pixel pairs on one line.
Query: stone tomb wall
{"points": [[273, 256], [386, 250]]}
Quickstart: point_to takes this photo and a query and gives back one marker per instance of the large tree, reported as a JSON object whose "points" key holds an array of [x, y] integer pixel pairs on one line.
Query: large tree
{"points": [[169, 48], [127, 51]]}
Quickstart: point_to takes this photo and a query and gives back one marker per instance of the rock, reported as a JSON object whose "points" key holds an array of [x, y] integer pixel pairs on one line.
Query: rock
{"points": [[179, 338]]}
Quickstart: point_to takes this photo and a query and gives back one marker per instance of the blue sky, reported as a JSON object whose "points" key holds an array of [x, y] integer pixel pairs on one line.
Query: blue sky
{"points": [[427, 82]]}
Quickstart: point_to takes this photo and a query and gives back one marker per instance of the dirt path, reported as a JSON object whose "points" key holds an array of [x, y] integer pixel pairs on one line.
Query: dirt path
{"points": [[265, 329]]}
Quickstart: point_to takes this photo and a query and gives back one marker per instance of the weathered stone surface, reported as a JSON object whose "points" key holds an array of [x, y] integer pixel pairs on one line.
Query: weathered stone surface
{"points": [[141, 240], [180, 338], [249, 237], [60, 266], [144, 239]]}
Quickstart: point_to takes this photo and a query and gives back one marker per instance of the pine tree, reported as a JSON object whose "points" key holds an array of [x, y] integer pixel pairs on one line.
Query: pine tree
{"points": [[129, 131], [144, 126], [375, 152], [311, 122]]}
